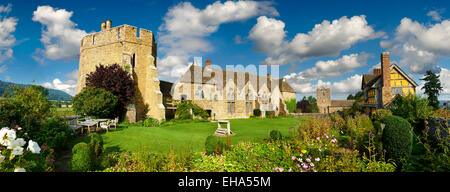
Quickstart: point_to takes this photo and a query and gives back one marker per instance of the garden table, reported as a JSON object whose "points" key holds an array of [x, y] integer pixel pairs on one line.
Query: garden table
{"points": [[88, 124]]}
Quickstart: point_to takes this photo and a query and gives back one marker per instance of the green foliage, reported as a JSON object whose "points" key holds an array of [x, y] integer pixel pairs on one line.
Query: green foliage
{"points": [[55, 133], [53, 94], [432, 88], [291, 105], [214, 145], [82, 158], [397, 138], [95, 102], [356, 97], [257, 112], [275, 135], [25, 107], [150, 122], [379, 114], [313, 108], [184, 109], [413, 108]]}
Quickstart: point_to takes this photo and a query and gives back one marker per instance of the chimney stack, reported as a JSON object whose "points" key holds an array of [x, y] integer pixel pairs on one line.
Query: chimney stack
{"points": [[103, 26], [208, 63], [377, 71], [108, 24], [386, 69]]}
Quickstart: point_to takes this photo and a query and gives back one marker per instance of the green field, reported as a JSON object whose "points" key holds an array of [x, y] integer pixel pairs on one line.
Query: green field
{"points": [[185, 137]]}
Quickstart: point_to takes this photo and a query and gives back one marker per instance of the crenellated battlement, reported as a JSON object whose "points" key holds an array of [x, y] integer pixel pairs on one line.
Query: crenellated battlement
{"points": [[123, 33]]}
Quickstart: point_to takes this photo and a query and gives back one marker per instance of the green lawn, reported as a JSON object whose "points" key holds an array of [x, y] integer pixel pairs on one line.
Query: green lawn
{"points": [[184, 137]]}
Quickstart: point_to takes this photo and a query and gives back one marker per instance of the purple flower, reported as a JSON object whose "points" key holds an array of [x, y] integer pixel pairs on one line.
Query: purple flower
{"points": [[298, 165]]}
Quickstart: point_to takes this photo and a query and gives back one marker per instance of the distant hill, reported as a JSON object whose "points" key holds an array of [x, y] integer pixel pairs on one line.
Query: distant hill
{"points": [[52, 93]]}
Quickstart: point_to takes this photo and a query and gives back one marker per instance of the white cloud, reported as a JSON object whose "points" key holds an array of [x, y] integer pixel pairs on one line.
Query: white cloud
{"points": [[325, 39], [435, 15], [68, 86], [60, 36], [184, 28], [420, 46], [7, 27], [301, 81], [3, 68], [339, 88]]}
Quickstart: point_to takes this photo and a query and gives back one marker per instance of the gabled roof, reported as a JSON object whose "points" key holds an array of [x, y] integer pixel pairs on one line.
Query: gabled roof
{"points": [[393, 65], [370, 79], [189, 78]]}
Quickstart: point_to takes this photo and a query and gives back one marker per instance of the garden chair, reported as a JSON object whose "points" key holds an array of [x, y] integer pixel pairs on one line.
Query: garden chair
{"points": [[105, 125], [114, 122]]}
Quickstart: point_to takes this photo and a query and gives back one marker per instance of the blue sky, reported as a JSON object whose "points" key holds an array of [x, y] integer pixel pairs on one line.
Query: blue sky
{"points": [[407, 29]]}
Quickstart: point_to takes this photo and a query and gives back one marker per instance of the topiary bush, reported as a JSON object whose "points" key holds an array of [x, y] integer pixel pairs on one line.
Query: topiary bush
{"points": [[275, 135], [81, 158], [397, 138]]}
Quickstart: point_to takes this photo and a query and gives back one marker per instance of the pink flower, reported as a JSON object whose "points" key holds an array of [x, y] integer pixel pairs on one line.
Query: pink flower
{"points": [[44, 147], [281, 169], [308, 160], [326, 135], [293, 158], [290, 170], [333, 140], [305, 166], [52, 150], [298, 165], [317, 159]]}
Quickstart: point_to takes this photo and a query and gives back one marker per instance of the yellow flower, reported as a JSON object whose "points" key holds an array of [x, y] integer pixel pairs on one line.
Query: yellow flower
{"points": [[303, 151]]}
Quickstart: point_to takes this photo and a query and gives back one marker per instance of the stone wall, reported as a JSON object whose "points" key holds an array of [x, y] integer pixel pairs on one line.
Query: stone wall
{"points": [[121, 45]]}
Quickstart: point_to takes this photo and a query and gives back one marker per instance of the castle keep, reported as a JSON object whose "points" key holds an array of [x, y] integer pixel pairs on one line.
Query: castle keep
{"points": [[136, 53]]}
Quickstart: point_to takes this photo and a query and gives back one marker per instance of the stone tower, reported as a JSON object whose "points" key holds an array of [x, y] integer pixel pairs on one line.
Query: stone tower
{"points": [[323, 99], [136, 53]]}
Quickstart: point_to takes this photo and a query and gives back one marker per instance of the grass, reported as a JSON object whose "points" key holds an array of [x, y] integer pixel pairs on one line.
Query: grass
{"points": [[185, 137]]}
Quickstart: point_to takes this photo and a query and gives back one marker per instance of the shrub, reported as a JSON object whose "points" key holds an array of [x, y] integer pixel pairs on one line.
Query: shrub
{"points": [[304, 106], [95, 102], [257, 112], [96, 145], [150, 122], [183, 110], [413, 108], [55, 133], [210, 144], [397, 138], [115, 80], [214, 145], [26, 107], [81, 158], [379, 114], [275, 135], [291, 105]]}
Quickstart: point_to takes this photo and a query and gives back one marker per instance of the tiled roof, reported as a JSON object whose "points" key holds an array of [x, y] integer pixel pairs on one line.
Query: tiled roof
{"points": [[342, 103]]}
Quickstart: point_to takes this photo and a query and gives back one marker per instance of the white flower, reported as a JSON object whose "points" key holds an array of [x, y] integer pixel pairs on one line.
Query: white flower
{"points": [[20, 128], [19, 169], [17, 143], [7, 136], [34, 147], [2, 158], [17, 151], [317, 159], [311, 164]]}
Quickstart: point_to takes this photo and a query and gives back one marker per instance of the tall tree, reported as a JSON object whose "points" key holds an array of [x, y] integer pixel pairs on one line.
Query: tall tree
{"points": [[432, 88], [116, 80]]}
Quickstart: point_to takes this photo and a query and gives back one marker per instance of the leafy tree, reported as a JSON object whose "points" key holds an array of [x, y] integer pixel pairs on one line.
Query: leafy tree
{"points": [[432, 88], [25, 107], [357, 96], [291, 105], [116, 80], [95, 102], [303, 105], [313, 108]]}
